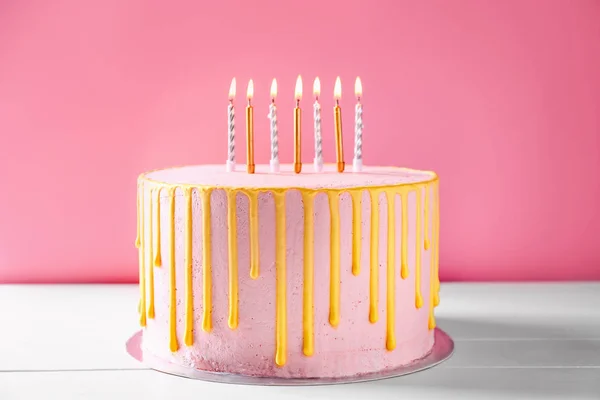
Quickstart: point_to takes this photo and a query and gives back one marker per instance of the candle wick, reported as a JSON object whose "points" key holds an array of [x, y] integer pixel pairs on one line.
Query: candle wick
{"points": [[337, 102], [358, 99], [316, 98], [297, 102], [273, 100], [249, 102]]}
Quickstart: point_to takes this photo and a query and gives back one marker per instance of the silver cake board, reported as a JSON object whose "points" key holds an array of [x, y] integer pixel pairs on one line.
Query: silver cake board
{"points": [[442, 350]]}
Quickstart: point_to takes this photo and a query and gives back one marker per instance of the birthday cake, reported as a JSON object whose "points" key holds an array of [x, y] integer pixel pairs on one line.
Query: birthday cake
{"points": [[285, 271], [288, 275]]}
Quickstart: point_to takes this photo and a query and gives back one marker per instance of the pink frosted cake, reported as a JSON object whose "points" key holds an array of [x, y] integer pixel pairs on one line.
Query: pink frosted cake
{"points": [[288, 275]]}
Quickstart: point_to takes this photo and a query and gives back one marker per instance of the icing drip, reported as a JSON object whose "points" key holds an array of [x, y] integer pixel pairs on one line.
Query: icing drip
{"points": [[137, 237], [404, 242], [426, 216], [150, 259], [139, 212], [157, 252], [189, 263], [334, 268], [418, 296], [431, 321], [142, 263], [173, 345], [390, 341], [374, 276], [254, 248], [280, 290], [356, 231], [206, 262], [233, 266], [436, 191], [308, 295]]}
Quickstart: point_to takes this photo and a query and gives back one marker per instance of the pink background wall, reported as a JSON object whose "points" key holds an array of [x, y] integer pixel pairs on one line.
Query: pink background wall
{"points": [[502, 98]]}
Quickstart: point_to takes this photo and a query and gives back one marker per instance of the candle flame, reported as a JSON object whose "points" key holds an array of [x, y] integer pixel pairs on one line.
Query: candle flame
{"points": [[232, 89], [358, 88], [250, 92], [274, 89], [337, 89], [299, 88], [317, 87]]}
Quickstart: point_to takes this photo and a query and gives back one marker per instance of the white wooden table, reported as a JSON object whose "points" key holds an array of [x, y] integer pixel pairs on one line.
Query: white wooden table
{"points": [[513, 341]]}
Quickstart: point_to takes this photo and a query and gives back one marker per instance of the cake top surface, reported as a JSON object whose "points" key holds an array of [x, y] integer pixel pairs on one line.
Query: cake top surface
{"points": [[329, 178]]}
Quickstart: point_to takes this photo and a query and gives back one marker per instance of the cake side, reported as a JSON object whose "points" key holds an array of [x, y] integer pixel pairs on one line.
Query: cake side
{"points": [[294, 329]]}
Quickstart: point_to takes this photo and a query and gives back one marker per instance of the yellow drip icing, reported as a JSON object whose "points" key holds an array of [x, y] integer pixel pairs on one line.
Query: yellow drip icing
{"points": [[334, 267], [173, 345], [404, 242], [233, 261], [280, 290], [150, 258], [254, 248], [157, 252], [189, 263], [390, 341], [374, 276], [206, 262], [436, 188], [431, 321], [426, 216], [356, 231], [418, 296], [137, 239], [142, 263], [139, 211], [309, 291]]}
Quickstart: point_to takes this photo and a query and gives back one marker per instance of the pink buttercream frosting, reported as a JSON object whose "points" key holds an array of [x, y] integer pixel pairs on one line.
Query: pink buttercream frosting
{"points": [[217, 176], [356, 346]]}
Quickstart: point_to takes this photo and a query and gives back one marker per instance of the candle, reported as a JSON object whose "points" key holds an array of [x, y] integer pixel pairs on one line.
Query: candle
{"points": [[337, 113], [357, 163], [250, 130], [297, 127], [230, 163], [274, 133], [317, 117]]}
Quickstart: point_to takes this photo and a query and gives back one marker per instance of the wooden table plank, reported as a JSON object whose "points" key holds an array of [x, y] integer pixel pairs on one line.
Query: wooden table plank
{"points": [[74, 327], [446, 384], [66, 326]]}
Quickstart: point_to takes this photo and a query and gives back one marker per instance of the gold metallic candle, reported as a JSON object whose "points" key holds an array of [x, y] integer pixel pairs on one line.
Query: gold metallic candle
{"points": [[337, 113], [250, 130], [297, 127]]}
